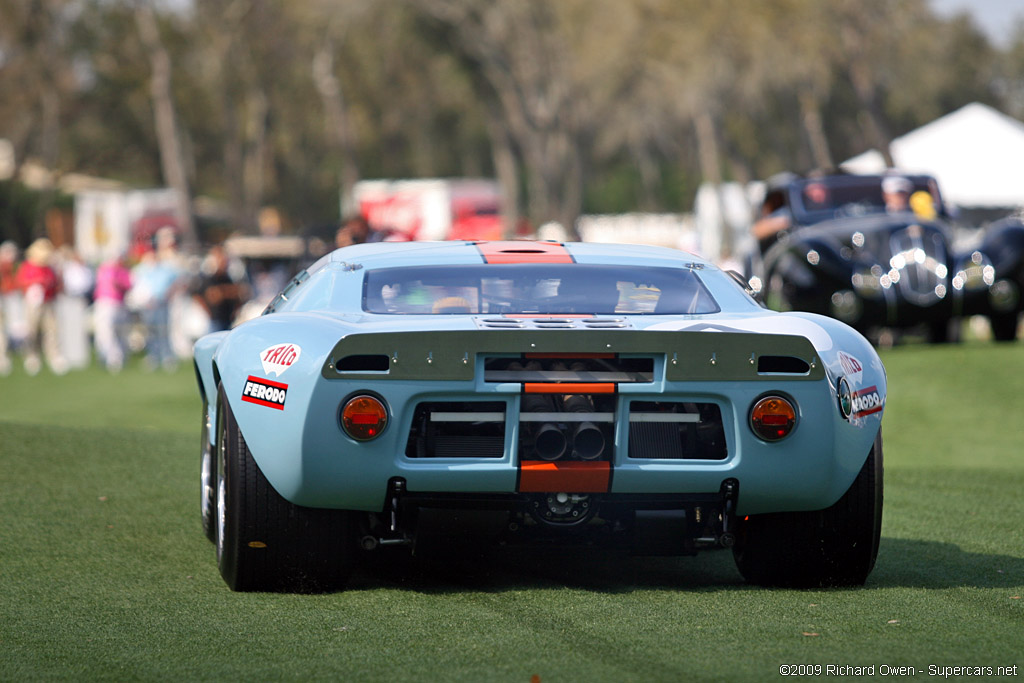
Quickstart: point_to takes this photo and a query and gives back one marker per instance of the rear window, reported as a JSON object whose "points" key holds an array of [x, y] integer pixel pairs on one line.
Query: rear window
{"points": [[536, 289]]}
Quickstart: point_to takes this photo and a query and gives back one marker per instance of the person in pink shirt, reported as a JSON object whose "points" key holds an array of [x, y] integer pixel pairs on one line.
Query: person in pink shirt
{"points": [[113, 280], [38, 281]]}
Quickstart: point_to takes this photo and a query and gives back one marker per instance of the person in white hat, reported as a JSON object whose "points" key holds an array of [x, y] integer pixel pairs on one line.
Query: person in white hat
{"points": [[896, 193]]}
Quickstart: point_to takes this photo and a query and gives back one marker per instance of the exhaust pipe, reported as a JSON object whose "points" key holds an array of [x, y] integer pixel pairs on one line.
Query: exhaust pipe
{"points": [[588, 441], [550, 442]]}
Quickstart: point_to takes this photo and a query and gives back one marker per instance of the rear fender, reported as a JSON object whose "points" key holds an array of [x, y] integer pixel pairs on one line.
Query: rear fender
{"points": [[268, 369]]}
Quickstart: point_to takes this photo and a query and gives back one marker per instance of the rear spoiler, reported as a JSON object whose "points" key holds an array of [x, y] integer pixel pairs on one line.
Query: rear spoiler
{"points": [[689, 355]]}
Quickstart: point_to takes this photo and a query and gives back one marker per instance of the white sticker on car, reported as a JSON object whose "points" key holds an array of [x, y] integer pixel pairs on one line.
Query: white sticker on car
{"points": [[279, 358]]}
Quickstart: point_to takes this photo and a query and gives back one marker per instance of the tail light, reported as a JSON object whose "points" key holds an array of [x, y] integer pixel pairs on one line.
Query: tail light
{"points": [[364, 417], [773, 418]]}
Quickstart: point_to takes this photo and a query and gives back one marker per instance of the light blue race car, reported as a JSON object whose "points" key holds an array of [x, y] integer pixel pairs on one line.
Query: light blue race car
{"points": [[536, 392]]}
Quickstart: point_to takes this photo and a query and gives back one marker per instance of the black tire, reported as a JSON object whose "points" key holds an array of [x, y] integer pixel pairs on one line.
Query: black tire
{"points": [[1004, 326], [207, 477], [836, 546], [264, 542]]}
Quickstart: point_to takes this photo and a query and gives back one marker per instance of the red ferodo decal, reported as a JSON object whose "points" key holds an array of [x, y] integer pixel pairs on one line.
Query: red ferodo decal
{"points": [[524, 252], [279, 358], [866, 402], [264, 392]]}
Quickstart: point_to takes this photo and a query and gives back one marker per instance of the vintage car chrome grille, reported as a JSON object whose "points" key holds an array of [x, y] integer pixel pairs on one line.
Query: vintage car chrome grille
{"points": [[676, 431], [918, 263]]}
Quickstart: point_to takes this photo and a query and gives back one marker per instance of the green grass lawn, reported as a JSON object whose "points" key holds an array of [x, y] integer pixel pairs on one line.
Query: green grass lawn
{"points": [[106, 575]]}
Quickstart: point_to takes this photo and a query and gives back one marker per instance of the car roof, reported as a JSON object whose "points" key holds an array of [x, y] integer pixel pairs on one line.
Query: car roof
{"points": [[391, 254]]}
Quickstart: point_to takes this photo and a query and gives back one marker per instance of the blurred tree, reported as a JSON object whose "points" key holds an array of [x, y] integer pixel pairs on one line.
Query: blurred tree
{"points": [[164, 112], [575, 105]]}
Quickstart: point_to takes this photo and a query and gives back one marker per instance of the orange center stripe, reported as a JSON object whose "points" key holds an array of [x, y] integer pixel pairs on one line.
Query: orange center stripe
{"points": [[569, 388], [538, 476], [524, 252]]}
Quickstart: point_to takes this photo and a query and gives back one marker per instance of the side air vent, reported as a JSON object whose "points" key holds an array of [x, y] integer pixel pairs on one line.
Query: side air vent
{"points": [[782, 365], [364, 363]]}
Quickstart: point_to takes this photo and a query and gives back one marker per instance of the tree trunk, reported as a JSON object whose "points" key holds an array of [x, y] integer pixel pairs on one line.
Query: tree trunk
{"points": [[711, 170], [871, 119], [507, 169], [810, 110], [171, 157], [255, 157], [339, 131]]}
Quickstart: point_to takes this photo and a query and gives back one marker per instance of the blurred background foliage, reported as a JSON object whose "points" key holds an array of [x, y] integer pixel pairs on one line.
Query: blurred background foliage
{"points": [[575, 106]]}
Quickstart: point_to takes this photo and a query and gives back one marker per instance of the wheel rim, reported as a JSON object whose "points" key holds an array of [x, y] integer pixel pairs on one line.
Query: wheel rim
{"points": [[206, 472], [221, 484]]}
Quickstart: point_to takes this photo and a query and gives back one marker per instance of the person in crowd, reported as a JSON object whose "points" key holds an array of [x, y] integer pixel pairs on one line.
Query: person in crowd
{"points": [[8, 292], [155, 280], [896, 193], [357, 230], [113, 281], [77, 280], [775, 218], [217, 292], [39, 283]]}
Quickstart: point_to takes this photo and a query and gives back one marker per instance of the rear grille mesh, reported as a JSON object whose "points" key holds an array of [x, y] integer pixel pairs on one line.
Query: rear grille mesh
{"points": [[457, 430], [676, 431]]}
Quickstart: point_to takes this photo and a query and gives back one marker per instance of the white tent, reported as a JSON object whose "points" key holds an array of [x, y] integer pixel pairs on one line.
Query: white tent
{"points": [[976, 153]]}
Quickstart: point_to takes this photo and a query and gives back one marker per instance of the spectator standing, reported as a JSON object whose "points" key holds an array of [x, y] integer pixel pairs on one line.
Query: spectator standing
{"points": [[77, 282], [8, 284], [113, 281], [154, 282], [38, 281], [217, 292], [357, 230]]}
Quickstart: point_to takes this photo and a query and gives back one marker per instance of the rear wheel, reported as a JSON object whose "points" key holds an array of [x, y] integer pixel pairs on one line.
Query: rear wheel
{"points": [[836, 546], [264, 542]]}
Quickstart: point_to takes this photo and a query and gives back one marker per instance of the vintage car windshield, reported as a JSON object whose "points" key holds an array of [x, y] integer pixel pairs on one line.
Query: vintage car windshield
{"points": [[536, 289], [815, 200]]}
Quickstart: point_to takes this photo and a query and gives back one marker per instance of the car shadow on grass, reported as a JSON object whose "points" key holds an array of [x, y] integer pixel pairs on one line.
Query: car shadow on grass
{"points": [[910, 563], [901, 563]]}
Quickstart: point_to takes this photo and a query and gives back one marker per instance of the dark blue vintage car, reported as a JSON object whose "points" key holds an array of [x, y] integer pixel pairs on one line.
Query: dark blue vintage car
{"points": [[877, 252]]}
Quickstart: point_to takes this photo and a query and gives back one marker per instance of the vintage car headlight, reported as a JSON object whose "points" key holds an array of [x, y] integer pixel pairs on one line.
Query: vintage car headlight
{"points": [[773, 418], [364, 417]]}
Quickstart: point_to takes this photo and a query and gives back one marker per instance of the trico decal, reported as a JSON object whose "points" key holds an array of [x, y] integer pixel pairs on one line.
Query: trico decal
{"points": [[866, 401], [851, 366], [279, 358], [264, 392]]}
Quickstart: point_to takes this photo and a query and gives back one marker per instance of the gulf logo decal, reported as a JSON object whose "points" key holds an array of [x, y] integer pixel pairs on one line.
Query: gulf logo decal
{"points": [[279, 358]]}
